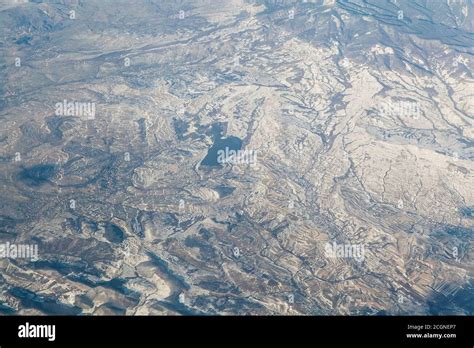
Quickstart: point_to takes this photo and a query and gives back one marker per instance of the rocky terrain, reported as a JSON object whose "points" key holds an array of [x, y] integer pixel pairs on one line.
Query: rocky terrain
{"points": [[360, 115]]}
